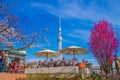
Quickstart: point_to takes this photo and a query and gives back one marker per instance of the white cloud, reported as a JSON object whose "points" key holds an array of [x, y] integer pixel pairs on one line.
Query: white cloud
{"points": [[95, 11], [68, 41], [80, 34], [46, 7], [33, 59], [77, 9]]}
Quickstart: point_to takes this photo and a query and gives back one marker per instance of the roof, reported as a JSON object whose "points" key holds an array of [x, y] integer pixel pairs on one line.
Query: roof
{"points": [[21, 53]]}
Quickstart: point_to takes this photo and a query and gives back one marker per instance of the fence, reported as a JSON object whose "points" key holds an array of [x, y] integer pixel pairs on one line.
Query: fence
{"points": [[65, 69]]}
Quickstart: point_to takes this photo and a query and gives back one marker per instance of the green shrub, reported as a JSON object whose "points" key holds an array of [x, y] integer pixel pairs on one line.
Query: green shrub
{"points": [[69, 77]]}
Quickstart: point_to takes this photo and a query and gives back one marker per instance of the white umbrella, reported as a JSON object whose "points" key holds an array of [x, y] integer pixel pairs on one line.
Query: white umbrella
{"points": [[47, 53], [73, 50]]}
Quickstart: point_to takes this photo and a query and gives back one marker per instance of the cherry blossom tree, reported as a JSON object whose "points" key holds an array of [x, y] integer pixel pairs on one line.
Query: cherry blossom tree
{"points": [[10, 33], [104, 43], [8, 24]]}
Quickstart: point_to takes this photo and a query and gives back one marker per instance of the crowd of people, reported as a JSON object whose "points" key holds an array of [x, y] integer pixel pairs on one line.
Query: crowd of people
{"points": [[73, 62], [59, 63], [52, 63], [13, 67]]}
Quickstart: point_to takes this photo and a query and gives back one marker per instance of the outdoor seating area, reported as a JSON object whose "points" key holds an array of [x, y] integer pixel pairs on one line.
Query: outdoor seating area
{"points": [[53, 63], [59, 66], [50, 66]]}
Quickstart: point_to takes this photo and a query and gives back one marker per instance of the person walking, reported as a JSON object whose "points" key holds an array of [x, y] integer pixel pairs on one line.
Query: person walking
{"points": [[1, 59], [116, 63], [4, 63], [82, 66], [110, 67], [39, 64]]}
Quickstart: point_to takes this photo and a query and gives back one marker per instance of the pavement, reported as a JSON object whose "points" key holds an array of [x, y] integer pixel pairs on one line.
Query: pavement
{"points": [[12, 76]]}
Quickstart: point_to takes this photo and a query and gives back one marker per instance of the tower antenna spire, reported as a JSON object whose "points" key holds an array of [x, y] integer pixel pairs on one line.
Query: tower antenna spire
{"points": [[59, 21], [60, 38]]}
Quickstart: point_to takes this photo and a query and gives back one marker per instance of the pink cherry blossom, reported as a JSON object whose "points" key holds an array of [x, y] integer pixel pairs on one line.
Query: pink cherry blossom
{"points": [[103, 42]]}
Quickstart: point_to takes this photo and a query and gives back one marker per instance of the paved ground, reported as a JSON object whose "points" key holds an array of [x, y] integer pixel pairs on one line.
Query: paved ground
{"points": [[11, 76]]}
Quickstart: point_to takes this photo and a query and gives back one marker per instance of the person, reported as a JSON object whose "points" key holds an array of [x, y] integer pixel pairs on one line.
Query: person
{"points": [[4, 69], [58, 63], [63, 62], [71, 63], [39, 64], [110, 67], [1, 59], [89, 66], [28, 66], [50, 64], [45, 63], [116, 63], [4, 59], [74, 61], [79, 67], [9, 68], [22, 67], [66, 63], [12, 66], [82, 66], [86, 64], [55, 64], [4, 63], [16, 67]]}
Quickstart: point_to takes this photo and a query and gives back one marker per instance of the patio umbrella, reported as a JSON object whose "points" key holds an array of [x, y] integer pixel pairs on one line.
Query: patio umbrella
{"points": [[73, 50], [47, 53]]}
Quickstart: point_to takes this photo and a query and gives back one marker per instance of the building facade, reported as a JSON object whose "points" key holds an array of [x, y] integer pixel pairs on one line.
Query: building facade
{"points": [[12, 55]]}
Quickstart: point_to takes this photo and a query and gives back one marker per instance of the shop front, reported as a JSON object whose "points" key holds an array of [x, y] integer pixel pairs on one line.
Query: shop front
{"points": [[16, 56]]}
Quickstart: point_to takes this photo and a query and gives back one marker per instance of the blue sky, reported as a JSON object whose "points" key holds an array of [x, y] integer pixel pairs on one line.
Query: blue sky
{"points": [[78, 18]]}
